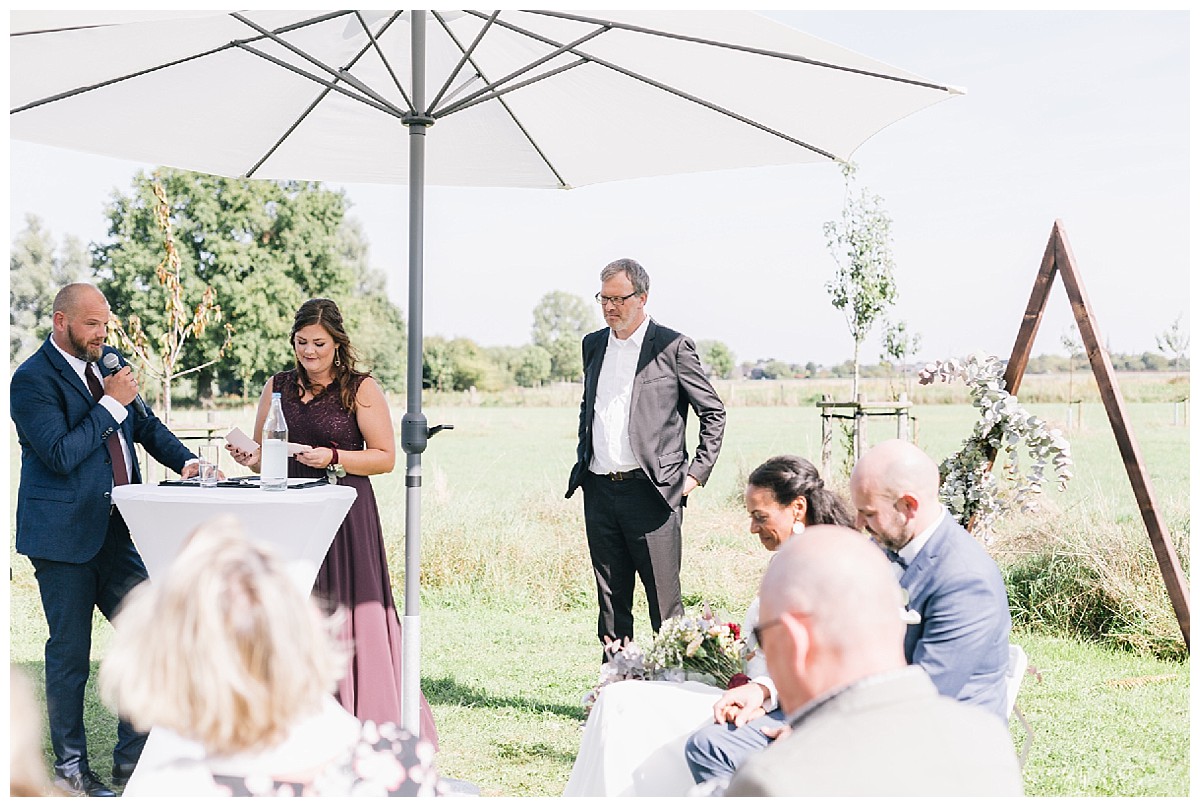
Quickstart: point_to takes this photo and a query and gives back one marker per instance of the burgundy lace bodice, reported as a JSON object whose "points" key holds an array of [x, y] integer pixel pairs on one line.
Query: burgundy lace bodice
{"points": [[321, 421]]}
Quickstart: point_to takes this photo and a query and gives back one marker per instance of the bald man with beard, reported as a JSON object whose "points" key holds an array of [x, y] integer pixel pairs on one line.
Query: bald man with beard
{"points": [[862, 722], [77, 428], [951, 580]]}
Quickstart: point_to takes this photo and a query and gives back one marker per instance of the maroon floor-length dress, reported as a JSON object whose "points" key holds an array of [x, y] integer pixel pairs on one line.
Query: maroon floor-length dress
{"points": [[355, 572]]}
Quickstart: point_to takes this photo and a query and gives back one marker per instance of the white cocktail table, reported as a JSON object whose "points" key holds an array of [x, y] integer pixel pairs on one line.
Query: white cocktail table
{"points": [[299, 524]]}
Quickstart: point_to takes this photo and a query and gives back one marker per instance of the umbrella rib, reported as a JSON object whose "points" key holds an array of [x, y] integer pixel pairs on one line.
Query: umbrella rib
{"points": [[384, 106], [467, 103], [235, 44], [375, 44], [676, 92], [81, 90], [516, 121], [745, 49], [321, 96], [493, 85], [342, 74], [466, 53]]}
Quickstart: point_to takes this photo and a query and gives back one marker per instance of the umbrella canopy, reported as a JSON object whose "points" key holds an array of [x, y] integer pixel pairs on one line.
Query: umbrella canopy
{"points": [[531, 99]]}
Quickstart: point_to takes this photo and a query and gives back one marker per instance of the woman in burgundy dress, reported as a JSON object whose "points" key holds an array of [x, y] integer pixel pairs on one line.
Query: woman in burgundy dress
{"points": [[343, 415]]}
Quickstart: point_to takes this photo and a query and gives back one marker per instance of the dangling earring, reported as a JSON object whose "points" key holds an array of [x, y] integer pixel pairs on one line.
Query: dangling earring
{"points": [[338, 358]]}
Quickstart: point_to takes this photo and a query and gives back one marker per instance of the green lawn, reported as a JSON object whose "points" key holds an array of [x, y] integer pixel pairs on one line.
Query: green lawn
{"points": [[508, 601]]}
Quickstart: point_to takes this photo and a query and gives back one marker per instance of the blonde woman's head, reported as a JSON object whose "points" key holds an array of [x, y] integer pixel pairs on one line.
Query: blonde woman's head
{"points": [[224, 649]]}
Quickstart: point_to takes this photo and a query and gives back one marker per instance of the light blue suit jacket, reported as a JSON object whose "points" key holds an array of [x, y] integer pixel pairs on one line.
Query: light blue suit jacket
{"points": [[962, 638]]}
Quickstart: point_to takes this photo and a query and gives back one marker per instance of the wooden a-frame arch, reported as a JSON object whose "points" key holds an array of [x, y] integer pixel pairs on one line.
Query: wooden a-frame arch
{"points": [[1058, 259]]}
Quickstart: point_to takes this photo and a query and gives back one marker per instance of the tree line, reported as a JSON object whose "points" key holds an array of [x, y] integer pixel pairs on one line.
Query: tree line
{"points": [[264, 247]]}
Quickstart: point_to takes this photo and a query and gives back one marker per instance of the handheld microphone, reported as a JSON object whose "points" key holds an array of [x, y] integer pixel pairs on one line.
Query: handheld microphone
{"points": [[112, 364]]}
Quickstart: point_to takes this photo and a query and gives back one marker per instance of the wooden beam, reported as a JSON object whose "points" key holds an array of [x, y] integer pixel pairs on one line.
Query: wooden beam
{"points": [[1015, 370], [1114, 404]]}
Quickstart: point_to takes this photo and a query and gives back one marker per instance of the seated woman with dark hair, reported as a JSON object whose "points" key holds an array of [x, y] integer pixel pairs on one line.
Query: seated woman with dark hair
{"points": [[643, 737], [225, 651]]}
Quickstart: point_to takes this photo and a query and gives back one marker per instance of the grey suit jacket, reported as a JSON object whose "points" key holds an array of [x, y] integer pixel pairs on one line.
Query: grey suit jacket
{"points": [[668, 382], [890, 736], [962, 638]]}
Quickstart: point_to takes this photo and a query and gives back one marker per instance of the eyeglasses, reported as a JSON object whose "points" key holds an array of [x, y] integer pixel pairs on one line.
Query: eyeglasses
{"points": [[600, 298], [760, 629]]}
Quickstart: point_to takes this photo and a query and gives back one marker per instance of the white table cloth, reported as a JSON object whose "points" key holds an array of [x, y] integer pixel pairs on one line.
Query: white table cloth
{"points": [[298, 523]]}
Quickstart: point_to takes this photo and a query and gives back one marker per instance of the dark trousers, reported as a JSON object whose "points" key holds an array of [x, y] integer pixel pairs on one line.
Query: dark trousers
{"points": [[632, 533], [70, 592]]}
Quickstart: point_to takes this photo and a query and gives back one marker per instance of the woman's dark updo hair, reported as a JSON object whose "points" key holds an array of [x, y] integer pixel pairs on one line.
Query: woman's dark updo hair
{"points": [[789, 477], [323, 312]]}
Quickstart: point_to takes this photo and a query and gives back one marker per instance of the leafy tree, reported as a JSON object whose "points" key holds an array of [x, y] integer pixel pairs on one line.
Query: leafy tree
{"points": [[560, 321], [863, 287], [717, 357], [1174, 341], [899, 344], [37, 269], [458, 364], [532, 366], [774, 369], [1154, 362], [264, 247]]}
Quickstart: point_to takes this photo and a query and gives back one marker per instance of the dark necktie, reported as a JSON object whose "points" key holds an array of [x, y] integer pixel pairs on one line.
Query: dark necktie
{"points": [[895, 558], [113, 441]]}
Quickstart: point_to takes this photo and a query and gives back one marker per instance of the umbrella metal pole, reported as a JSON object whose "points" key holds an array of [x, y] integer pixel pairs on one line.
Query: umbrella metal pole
{"points": [[414, 432]]}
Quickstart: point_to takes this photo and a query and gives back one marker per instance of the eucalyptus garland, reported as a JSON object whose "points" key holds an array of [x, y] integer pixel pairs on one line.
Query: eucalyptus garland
{"points": [[969, 490]]}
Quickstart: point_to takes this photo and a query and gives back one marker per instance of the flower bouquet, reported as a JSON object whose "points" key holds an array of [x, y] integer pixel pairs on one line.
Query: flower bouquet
{"points": [[696, 647], [626, 662]]}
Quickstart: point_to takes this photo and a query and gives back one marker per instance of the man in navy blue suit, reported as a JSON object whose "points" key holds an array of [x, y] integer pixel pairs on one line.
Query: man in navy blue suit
{"points": [[951, 580], [76, 428]]}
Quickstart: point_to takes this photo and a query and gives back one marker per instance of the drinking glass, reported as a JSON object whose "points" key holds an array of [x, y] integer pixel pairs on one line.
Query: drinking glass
{"points": [[209, 463]]}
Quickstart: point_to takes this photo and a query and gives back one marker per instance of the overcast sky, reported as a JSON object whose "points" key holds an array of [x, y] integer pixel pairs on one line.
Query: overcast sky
{"points": [[1078, 116]]}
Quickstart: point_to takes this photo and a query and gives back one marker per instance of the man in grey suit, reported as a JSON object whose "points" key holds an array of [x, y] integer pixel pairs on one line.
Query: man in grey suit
{"points": [[951, 580], [862, 722], [640, 380]]}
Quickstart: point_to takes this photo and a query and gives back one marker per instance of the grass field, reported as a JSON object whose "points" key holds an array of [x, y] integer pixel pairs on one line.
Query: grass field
{"points": [[508, 600]]}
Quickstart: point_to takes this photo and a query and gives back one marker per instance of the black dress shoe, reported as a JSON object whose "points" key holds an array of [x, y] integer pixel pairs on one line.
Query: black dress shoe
{"points": [[84, 783], [122, 772]]}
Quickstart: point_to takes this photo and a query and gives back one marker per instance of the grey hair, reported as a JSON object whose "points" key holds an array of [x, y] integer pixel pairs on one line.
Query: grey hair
{"points": [[632, 269]]}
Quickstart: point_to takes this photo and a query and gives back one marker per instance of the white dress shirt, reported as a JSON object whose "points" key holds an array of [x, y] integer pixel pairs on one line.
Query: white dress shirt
{"points": [[110, 403], [611, 449], [908, 553]]}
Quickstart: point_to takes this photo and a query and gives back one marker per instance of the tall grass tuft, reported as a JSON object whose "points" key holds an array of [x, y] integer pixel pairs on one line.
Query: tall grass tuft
{"points": [[1091, 574]]}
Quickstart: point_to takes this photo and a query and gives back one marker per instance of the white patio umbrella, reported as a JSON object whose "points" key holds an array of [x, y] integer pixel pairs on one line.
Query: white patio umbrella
{"points": [[534, 99]]}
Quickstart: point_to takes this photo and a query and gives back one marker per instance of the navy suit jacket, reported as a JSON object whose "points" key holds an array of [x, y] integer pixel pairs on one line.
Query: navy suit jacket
{"points": [[669, 380], [962, 638], [64, 499]]}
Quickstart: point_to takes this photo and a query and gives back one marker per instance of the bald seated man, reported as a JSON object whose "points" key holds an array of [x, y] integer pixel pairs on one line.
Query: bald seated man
{"points": [[951, 580], [77, 427], [863, 723]]}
